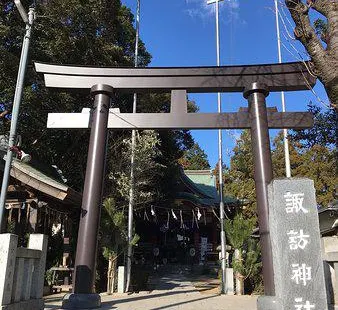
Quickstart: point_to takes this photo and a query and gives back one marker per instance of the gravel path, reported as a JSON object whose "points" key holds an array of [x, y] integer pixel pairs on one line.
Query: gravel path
{"points": [[172, 291]]}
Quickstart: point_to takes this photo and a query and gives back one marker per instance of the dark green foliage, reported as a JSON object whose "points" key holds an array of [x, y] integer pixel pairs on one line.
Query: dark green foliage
{"points": [[113, 229], [250, 264], [112, 242], [315, 161], [55, 250], [239, 230], [194, 159], [99, 33], [66, 32], [322, 133], [246, 262], [239, 177]]}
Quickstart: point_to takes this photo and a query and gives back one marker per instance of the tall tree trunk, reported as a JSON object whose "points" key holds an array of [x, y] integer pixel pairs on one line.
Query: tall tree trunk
{"points": [[114, 275], [324, 58], [111, 274]]}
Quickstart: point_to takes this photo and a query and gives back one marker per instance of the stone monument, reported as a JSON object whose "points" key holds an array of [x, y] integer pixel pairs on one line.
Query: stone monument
{"points": [[296, 249]]}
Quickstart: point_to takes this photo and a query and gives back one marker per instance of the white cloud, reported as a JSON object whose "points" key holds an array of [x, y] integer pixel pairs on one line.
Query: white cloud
{"points": [[200, 9]]}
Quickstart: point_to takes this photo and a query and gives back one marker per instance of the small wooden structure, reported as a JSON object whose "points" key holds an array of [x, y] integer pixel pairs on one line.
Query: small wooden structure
{"points": [[39, 201]]}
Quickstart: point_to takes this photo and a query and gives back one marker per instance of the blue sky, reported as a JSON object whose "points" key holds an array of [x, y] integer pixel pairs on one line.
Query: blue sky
{"points": [[182, 33]]}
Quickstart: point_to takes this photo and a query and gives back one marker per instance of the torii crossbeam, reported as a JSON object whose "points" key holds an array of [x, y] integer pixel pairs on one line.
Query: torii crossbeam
{"points": [[277, 77], [255, 81], [179, 118]]}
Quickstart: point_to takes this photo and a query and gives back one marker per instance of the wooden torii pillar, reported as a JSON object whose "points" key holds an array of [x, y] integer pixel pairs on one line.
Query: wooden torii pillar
{"points": [[255, 82]]}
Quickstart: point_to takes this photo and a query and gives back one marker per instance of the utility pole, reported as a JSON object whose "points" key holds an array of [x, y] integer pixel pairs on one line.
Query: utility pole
{"points": [[285, 131], [28, 20], [220, 158], [132, 162]]}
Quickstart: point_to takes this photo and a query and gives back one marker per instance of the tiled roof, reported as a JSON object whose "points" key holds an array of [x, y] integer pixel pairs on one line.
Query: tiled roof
{"points": [[204, 180], [202, 184], [46, 184]]}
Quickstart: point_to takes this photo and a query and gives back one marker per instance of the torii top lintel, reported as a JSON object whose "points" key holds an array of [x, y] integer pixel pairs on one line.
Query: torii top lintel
{"points": [[277, 77]]}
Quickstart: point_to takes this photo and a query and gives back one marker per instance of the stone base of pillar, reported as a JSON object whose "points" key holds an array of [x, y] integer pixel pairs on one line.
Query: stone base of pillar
{"points": [[269, 303], [81, 301]]}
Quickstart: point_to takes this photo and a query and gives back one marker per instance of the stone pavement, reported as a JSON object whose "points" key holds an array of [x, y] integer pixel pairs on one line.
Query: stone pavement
{"points": [[172, 292]]}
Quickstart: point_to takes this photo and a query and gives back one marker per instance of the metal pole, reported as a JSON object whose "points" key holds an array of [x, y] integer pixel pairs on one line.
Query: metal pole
{"points": [[260, 142], [132, 164], [92, 195], [220, 164], [285, 131], [15, 114]]}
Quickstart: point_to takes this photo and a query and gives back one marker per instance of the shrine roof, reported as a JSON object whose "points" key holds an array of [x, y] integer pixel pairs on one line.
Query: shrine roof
{"points": [[45, 180], [205, 181], [42, 182], [202, 186]]}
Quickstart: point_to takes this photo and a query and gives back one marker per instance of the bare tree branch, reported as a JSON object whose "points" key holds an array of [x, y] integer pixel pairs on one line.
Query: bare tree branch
{"points": [[304, 31], [322, 6]]}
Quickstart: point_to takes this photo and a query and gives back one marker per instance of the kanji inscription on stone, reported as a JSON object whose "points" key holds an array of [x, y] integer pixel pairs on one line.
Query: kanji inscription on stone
{"points": [[295, 238]]}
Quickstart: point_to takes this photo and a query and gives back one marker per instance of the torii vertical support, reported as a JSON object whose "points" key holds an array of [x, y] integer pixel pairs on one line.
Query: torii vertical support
{"points": [[84, 273], [260, 142], [254, 82]]}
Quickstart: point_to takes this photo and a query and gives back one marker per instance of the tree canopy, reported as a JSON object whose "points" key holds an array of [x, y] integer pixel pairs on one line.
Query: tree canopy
{"points": [[194, 158], [316, 162], [239, 177], [65, 32], [95, 33], [147, 171], [322, 133]]}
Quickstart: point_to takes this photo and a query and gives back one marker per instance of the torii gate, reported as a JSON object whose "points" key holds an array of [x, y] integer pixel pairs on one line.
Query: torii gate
{"points": [[254, 81]]}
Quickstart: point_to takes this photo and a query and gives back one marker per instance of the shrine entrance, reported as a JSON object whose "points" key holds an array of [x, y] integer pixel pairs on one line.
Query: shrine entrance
{"points": [[184, 232], [255, 82]]}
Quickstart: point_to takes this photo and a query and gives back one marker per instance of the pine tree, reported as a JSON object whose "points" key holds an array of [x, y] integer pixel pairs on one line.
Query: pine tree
{"points": [[113, 231], [316, 163], [247, 252], [239, 177], [322, 133], [194, 159]]}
